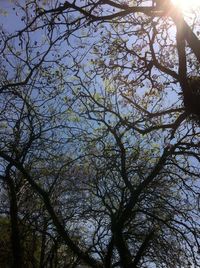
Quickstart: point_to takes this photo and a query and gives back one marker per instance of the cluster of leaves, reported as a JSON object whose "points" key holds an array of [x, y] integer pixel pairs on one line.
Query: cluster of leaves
{"points": [[99, 162]]}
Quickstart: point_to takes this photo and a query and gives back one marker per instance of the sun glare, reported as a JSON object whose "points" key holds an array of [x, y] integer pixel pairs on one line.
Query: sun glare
{"points": [[187, 5]]}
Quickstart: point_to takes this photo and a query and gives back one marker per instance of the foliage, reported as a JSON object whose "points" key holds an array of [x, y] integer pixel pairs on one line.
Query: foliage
{"points": [[99, 157]]}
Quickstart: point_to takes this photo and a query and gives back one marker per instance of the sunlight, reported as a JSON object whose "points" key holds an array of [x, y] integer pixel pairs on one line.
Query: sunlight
{"points": [[186, 4]]}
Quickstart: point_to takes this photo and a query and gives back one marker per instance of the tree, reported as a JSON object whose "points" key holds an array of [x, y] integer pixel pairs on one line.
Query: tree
{"points": [[93, 122]]}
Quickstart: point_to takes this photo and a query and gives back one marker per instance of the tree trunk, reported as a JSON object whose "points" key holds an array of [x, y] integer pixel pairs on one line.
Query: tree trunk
{"points": [[15, 234]]}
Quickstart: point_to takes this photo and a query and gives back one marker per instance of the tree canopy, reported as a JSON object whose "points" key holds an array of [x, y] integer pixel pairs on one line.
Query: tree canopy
{"points": [[99, 134]]}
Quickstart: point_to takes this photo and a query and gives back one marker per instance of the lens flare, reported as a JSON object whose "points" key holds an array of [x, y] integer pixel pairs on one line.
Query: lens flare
{"points": [[187, 5]]}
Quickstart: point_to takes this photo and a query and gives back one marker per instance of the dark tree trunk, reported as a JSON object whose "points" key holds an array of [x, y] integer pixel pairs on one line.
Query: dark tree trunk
{"points": [[15, 234]]}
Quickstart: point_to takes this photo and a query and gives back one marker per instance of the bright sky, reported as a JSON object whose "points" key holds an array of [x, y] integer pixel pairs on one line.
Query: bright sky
{"points": [[186, 5]]}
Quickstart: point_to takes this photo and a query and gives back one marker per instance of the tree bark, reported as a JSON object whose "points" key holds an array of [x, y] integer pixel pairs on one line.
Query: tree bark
{"points": [[15, 233]]}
